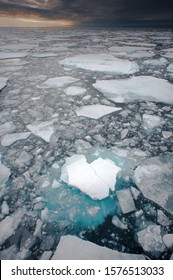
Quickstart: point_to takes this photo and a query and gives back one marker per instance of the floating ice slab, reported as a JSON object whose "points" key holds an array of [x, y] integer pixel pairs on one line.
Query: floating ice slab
{"points": [[151, 121], [101, 63], [73, 248], [154, 178], [170, 68], [95, 179], [74, 90], [156, 62], [43, 129], [96, 111], [4, 174], [9, 225], [9, 55], [136, 88], [7, 127], [9, 139], [131, 51], [43, 55], [126, 201], [58, 82], [3, 82]]}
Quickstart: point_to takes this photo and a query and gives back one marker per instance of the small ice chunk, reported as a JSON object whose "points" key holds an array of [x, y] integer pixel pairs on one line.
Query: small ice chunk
{"points": [[150, 121], [74, 90], [43, 130], [58, 82], [126, 201], [5, 208], [9, 225], [95, 179], [9, 139], [96, 111], [7, 127], [117, 222], [4, 174], [168, 241], [136, 88], [156, 62], [101, 63], [3, 82], [170, 68]]}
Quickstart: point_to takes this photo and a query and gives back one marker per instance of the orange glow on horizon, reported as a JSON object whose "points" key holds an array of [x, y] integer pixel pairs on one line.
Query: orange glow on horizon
{"points": [[35, 22]]}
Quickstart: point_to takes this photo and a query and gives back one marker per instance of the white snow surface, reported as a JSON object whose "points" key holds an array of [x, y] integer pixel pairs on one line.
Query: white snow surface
{"points": [[3, 82], [74, 90], [58, 82], [73, 248], [101, 63], [95, 179], [42, 129], [9, 139], [96, 111], [136, 88]]}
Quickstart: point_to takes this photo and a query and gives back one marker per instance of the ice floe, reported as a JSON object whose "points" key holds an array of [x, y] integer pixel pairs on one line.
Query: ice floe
{"points": [[10, 55], [58, 82], [156, 62], [101, 63], [151, 121], [136, 88], [131, 51], [9, 139], [154, 178], [7, 127], [95, 179], [43, 130], [74, 90], [125, 200], [3, 82], [73, 248], [96, 111], [170, 68], [4, 174]]}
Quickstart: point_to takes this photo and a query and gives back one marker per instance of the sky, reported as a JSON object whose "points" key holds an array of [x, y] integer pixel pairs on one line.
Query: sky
{"points": [[86, 12]]}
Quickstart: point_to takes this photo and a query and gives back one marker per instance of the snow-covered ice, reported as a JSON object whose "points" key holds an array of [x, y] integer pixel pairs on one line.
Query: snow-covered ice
{"points": [[73, 248], [58, 82], [95, 179], [96, 111], [9, 139], [42, 129], [136, 88], [74, 90], [151, 121], [101, 63]]}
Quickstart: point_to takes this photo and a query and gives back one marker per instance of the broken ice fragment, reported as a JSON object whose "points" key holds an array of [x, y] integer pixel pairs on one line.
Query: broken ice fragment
{"points": [[74, 90], [96, 111], [3, 82], [9, 139], [4, 174], [58, 82], [95, 179], [42, 129], [126, 201]]}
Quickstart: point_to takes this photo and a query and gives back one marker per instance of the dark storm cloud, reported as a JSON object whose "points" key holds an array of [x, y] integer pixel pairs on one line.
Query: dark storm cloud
{"points": [[91, 10]]}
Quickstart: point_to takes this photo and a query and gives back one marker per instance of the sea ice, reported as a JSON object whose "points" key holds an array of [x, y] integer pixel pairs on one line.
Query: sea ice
{"points": [[9, 139], [156, 62], [7, 127], [74, 90], [151, 121], [42, 129], [73, 248], [3, 82], [131, 51], [10, 55], [170, 68], [9, 225], [4, 174], [126, 201], [154, 178], [136, 88], [101, 63], [96, 111], [95, 179], [58, 82]]}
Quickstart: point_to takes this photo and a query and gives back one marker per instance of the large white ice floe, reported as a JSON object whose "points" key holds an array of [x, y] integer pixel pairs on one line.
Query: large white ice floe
{"points": [[43, 130], [101, 63], [11, 138], [3, 82], [58, 82], [73, 248], [96, 111], [136, 88], [154, 177], [95, 179]]}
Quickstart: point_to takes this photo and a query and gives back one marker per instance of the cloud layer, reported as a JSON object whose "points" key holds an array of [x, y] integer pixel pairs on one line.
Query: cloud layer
{"points": [[91, 10]]}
